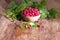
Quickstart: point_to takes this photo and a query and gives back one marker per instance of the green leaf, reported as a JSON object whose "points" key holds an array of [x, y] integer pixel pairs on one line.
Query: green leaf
{"points": [[40, 5], [34, 24], [10, 14], [23, 25], [13, 5], [43, 4], [32, 0], [14, 10], [35, 5], [20, 8], [25, 1], [52, 13], [44, 13]]}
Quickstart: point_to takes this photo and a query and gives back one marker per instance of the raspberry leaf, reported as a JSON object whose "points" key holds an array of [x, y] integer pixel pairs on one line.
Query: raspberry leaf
{"points": [[52, 13], [42, 3], [12, 5], [10, 14], [23, 25], [33, 24], [20, 7], [44, 13]]}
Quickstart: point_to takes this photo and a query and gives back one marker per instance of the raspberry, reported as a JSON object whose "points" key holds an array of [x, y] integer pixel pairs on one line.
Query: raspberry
{"points": [[31, 12]]}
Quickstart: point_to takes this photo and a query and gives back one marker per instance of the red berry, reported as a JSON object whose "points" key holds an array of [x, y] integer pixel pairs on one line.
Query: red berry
{"points": [[40, 27], [31, 12]]}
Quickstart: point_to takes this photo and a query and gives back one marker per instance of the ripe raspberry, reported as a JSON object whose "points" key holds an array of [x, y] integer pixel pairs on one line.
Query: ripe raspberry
{"points": [[31, 12]]}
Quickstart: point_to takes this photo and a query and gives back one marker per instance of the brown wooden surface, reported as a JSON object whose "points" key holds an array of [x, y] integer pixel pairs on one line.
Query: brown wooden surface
{"points": [[51, 30]]}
